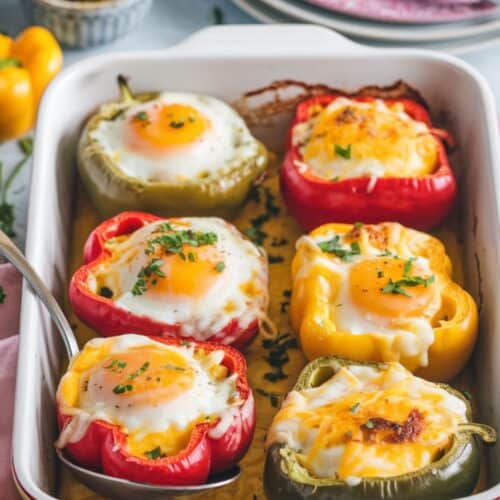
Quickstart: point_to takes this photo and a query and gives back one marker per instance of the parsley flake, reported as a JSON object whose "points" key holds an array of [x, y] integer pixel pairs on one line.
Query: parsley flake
{"points": [[354, 408], [335, 247], [122, 388], [220, 266], [154, 454], [106, 292], [343, 152]]}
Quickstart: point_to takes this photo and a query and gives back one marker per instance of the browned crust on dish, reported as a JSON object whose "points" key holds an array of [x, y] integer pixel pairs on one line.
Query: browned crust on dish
{"points": [[258, 106]]}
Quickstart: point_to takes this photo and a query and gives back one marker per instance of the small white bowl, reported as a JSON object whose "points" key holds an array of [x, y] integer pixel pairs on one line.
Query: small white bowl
{"points": [[84, 24]]}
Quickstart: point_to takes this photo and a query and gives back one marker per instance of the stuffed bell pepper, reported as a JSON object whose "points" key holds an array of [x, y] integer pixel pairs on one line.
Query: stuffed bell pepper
{"points": [[154, 410], [187, 277], [351, 430], [381, 293], [359, 157], [27, 65], [170, 152]]}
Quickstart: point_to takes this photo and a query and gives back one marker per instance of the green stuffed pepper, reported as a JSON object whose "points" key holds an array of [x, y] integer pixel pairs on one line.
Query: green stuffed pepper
{"points": [[171, 153], [354, 430]]}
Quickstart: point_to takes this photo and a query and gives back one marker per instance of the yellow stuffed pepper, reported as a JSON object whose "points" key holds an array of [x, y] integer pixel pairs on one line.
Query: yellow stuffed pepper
{"points": [[27, 64], [381, 293]]}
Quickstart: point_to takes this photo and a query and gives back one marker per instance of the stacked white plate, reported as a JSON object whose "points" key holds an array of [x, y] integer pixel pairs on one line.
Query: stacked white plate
{"points": [[456, 26]]}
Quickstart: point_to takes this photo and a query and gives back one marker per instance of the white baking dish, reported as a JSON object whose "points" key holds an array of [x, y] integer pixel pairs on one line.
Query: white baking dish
{"points": [[227, 61]]}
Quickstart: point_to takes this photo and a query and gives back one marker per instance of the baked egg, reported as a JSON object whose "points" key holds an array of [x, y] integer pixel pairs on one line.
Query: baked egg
{"points": [[368, 138], [197, 273]]}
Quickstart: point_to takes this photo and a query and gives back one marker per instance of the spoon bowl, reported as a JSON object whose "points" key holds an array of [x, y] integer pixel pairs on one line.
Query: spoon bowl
{"points": [[110, 487]]}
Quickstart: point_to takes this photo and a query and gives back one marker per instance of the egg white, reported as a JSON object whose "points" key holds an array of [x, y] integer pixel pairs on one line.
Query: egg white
{"points": [[225, 145], [198, 317], [205, 397]]}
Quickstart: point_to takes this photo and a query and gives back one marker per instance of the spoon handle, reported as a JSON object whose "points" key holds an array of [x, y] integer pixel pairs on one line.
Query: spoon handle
{"points": [[17, 259]]}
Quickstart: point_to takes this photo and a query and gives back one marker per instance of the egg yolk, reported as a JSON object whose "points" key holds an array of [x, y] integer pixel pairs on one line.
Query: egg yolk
{"points": [[372, 133], [193, 274], [160, 128], [144, 373], [374, 288]]}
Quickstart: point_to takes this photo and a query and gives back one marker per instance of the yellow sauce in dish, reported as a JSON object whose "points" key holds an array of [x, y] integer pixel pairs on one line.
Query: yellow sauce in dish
{"points": [[282, 234]]}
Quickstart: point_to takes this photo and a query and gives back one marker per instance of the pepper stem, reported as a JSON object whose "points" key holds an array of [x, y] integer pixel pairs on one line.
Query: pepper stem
{"points": [[485, 432], [125, 92]]}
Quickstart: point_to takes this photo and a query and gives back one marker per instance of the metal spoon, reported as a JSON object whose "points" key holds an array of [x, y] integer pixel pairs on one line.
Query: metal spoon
{"points": [[110, 487]]}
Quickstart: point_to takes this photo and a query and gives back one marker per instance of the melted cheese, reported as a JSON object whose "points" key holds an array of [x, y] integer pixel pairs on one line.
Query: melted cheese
{"points": [[156, 393], [326, 425], [355, 139]]}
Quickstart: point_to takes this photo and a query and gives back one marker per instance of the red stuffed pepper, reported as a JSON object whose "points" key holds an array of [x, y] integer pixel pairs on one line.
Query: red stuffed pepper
{"points": [[195, 278], [156, 410], [363, 158]]}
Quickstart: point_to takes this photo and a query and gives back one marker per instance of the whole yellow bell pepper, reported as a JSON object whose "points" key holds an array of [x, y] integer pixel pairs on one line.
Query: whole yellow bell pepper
{"points": [[27, 64], [381, 293]]}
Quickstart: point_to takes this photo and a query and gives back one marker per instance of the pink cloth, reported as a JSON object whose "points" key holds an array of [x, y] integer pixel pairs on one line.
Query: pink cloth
{"points": [[10, 281]]}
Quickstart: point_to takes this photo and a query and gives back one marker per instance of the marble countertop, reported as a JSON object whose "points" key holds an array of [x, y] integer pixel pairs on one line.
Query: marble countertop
{"points": [[168, 22]]}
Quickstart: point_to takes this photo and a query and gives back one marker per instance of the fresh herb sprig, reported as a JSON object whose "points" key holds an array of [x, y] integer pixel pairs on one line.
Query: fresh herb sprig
{"points": [[7, 215]]}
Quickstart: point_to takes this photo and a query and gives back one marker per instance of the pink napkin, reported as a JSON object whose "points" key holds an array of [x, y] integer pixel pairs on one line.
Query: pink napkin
{"points": [[10, 281]]}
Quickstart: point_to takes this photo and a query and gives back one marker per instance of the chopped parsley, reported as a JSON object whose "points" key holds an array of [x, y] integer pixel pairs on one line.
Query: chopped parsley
{"points": [[358, 225], [140, 371], [106, 292], [154, 454], [255, 232], [145, 275], [274, 398], [380, 274], [122, 388], [285, 303], [220, 266], [116, 364], [3, 295], [396, 287], [275, 259], [177, 123], [368, 424], [191, 257], [185, 343], [176, 368], [336, 248], [386, 253], [278, 355], [174, 241], [343, 152], [335, 179], [141, 116], [354, 408]]}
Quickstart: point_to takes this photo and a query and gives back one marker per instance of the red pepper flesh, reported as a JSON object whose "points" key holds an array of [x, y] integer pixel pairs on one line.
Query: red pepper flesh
{"points": [[213, 447], [105, 317], [419, 202]]}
